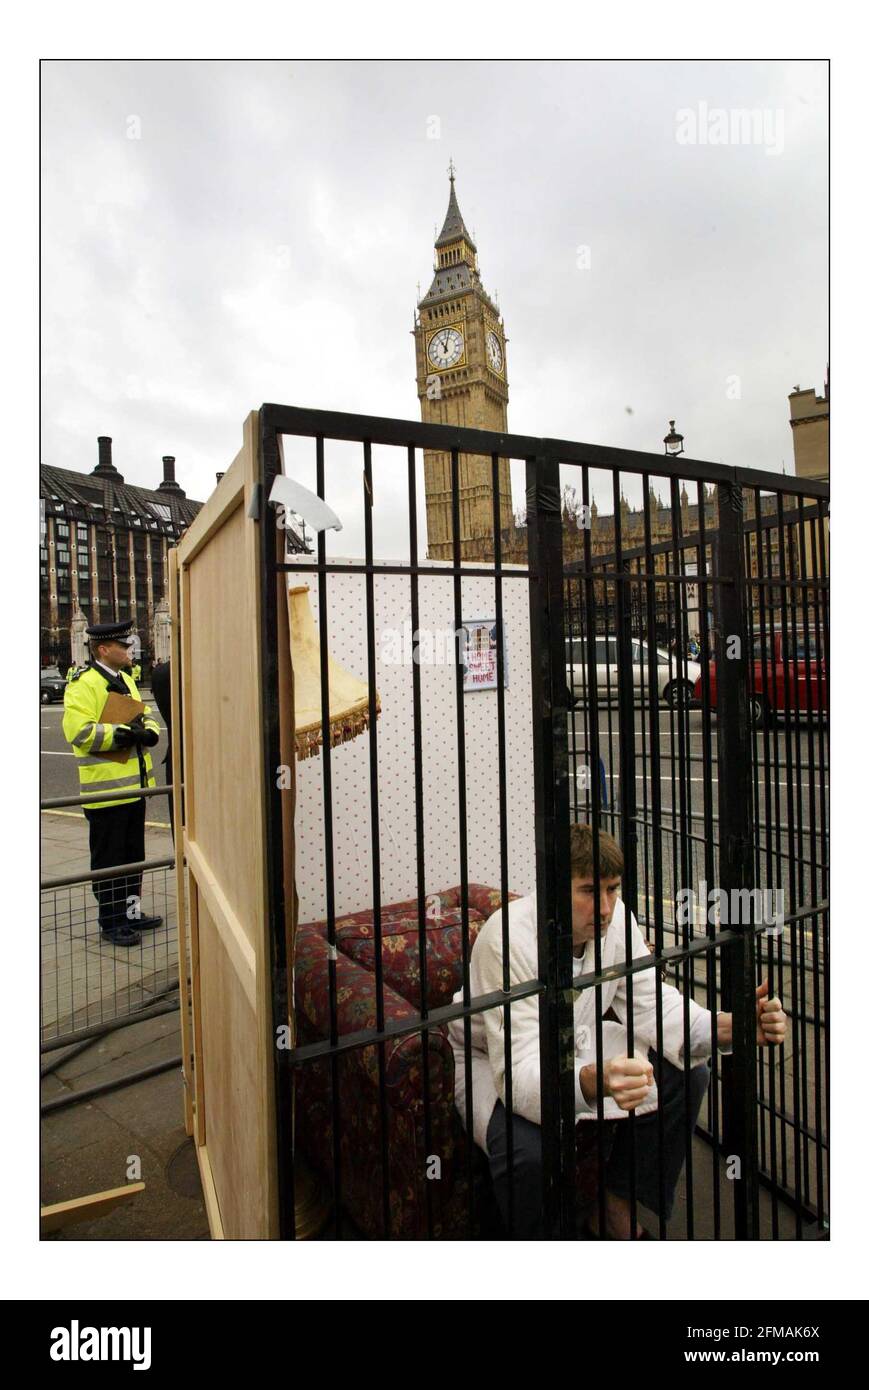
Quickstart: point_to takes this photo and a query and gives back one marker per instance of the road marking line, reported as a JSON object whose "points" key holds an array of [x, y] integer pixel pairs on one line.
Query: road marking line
{"points": [[79, 815]]}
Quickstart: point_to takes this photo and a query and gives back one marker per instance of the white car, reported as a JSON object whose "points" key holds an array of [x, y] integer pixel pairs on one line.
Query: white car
{"points": [[675, 680]]}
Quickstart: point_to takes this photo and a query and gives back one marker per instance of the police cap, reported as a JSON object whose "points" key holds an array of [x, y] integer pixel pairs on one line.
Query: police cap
{"points": [[110, 632]]}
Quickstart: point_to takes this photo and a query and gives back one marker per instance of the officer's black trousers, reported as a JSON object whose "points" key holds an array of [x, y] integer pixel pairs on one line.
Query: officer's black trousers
{"points": [[117, 836]]}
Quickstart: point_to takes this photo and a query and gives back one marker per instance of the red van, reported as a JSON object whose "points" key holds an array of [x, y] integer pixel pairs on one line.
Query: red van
{"points": [[800, 685]]}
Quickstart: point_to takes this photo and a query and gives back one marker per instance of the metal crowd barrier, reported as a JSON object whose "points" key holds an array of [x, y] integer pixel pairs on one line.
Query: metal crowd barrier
{"points": [[88, 987]]}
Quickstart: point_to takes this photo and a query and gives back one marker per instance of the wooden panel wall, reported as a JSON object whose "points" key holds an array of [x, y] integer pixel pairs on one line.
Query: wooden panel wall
{"points": [[224, 844]]}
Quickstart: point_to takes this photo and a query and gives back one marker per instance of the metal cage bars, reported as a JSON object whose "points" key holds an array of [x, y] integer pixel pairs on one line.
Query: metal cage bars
{"points": [[736, 799]]}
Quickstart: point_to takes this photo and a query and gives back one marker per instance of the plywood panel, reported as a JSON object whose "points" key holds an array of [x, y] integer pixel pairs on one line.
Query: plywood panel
{"points": [[196, 1009], [230, 1047], [224, 841], [235, 937], [224, 717]]}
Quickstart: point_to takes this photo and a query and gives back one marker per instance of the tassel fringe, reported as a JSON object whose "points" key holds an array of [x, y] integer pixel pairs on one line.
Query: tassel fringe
{"points": [[342, 729]]}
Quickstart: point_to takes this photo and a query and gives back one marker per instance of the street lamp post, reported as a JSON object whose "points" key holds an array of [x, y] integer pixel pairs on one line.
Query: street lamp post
{"points": [[673, 442]]}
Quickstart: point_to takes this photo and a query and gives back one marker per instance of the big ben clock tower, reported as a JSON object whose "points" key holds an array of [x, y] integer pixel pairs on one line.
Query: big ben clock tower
{"points": [[461, 379]]}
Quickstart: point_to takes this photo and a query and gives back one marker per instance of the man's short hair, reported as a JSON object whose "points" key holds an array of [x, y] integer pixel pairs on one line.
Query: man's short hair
{"points": [[611, 861]]}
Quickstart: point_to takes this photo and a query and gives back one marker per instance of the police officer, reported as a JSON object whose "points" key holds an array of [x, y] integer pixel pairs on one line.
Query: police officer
{"points": [[117, 827]]}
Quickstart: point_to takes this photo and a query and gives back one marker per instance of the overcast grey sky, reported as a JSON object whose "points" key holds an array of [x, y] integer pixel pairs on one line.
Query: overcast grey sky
{"points": [[263, 237]]}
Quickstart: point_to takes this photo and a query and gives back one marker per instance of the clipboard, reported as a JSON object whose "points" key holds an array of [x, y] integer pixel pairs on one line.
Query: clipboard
{"points": [[119, 709]]}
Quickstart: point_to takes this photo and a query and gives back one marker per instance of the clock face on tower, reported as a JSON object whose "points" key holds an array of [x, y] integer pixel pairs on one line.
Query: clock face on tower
{"points": [[494, 352], [445, 348]]}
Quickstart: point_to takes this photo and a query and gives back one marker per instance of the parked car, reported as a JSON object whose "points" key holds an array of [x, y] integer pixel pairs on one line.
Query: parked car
{"points": [[675, 680], [798, 684], [51, 686]]}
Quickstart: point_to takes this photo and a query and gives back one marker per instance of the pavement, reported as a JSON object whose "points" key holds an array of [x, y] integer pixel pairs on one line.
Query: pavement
{"points": [[136, 1132]]}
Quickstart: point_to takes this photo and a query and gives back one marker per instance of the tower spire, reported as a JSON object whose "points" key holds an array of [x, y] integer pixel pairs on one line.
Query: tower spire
{"points": [[454, 228]]}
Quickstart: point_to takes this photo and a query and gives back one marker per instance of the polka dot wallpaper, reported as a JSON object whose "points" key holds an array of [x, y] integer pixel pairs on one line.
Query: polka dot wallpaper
{"points": [[354, 863]]}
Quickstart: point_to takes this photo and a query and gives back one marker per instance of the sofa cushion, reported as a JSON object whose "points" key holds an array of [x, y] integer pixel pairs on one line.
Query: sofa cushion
{"points": [[399, 925], [401, 958]]}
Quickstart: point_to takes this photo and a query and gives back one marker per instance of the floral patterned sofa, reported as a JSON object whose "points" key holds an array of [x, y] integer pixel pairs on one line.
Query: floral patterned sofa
{"points": [[418, 1206]]}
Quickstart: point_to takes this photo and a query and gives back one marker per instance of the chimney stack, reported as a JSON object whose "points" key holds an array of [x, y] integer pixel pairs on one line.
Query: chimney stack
{"points": [[105, 468], [169, 484]]}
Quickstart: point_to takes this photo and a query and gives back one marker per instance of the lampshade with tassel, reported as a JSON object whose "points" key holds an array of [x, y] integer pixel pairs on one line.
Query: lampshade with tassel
{"points": [[349, 713]]}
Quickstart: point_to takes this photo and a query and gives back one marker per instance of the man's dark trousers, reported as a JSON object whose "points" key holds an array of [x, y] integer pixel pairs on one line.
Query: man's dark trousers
{"points": [[117, 836], [527, 1151]]}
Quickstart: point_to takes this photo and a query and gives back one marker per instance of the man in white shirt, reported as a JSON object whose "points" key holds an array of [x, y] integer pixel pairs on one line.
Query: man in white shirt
{"points": [[640, 1082]]}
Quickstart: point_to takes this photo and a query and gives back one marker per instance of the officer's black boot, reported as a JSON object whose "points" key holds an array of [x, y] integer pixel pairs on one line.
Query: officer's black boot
{"points": [[120, 934], [146, 923]]}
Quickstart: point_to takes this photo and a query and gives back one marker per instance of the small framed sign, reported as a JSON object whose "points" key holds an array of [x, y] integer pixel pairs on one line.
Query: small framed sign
{"points": [[480, 648]]}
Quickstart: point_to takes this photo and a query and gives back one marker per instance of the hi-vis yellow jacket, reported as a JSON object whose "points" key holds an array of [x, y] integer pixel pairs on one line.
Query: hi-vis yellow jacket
{"points": [[83, 702]]}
